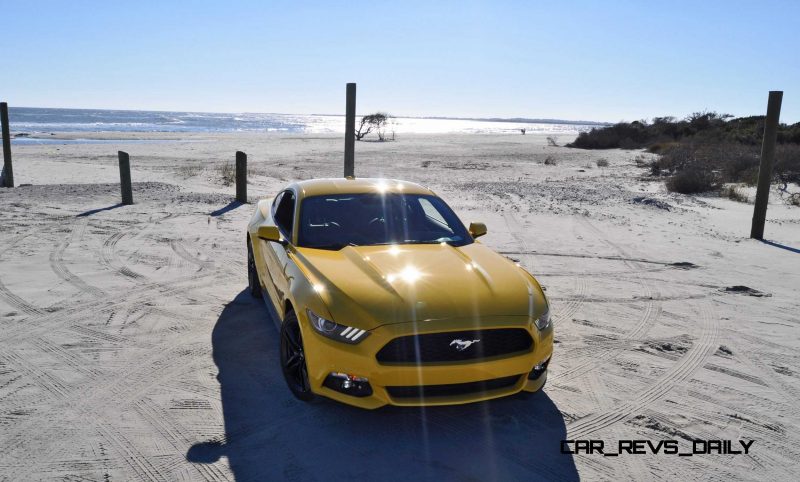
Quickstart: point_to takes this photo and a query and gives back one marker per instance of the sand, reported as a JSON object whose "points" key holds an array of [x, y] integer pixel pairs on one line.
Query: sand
{"points": [[129, 348]]}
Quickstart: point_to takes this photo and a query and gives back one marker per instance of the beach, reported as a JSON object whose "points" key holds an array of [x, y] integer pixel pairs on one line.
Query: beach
{"points": [[130, 348]]}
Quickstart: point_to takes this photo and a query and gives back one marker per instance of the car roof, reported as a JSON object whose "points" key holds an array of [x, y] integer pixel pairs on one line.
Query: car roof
{"points": [[319, 187]]}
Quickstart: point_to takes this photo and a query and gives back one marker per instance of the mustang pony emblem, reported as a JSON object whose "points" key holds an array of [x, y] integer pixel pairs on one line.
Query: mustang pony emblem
{"points": [[462, 345]]}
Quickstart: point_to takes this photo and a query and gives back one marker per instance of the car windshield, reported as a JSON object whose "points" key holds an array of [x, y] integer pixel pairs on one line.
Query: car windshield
{"points": [[336, 221]]}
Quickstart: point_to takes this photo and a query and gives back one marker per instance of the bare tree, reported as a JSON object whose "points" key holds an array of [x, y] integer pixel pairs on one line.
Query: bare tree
{"points": [[376, 121]]}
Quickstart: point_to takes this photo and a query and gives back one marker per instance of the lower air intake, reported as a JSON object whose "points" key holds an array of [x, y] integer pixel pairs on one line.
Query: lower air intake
{"points": [[452, 389]]}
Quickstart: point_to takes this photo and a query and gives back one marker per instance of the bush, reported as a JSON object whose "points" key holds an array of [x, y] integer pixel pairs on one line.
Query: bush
{"points": [[623, 135], [550, 161], [709, 148], [691, 181], [189, 170], [227, 173], [787, 163], [602, 163], [734, 194], [660, 147]]}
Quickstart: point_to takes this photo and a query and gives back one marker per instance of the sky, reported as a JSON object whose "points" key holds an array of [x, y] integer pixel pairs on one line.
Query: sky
{"points": [[606, 60]]}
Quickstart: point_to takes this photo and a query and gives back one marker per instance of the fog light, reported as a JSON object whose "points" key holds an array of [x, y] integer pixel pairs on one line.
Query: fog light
{"points": [[538, 370], [348, 384]]}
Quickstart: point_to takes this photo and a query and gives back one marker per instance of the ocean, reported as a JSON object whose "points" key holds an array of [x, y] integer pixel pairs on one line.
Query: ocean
{"points": [[42, 120]]}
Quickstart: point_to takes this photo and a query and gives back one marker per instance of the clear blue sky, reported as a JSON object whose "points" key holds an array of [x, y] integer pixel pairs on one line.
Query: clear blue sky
{"points": [[595, 60]]}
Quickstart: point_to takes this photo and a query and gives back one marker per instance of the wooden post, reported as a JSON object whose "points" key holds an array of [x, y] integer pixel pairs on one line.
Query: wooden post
{"points": [[350, 131], [767, 157], [241, 177], [8, 172], [125, 177]]}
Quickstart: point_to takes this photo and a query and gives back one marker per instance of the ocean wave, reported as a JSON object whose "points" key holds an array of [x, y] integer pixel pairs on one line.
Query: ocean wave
{"points": [[37, 120]]}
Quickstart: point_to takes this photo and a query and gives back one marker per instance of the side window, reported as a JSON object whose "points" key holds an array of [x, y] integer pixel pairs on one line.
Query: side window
{"points": [[276, 202], [432, 212], [284, 213]]}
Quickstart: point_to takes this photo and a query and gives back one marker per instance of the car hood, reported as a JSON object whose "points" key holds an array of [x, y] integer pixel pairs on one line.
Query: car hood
{"points": [[368, 286]]}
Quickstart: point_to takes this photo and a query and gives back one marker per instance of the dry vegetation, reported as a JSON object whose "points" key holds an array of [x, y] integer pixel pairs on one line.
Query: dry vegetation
{"points": [[227, 173], [703, 151], [734, 193], [188, 170]]}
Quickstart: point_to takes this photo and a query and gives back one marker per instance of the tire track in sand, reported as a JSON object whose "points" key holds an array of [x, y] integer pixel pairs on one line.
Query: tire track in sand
{"points": [[181, 251], [571, 306], [109, 258], [7, 295], [59, 267], [651, 313], [692, 361]]}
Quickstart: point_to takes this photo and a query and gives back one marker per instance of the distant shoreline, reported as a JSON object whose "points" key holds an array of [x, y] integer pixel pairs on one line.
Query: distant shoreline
{"points": [[534, 120], [38, 120]]}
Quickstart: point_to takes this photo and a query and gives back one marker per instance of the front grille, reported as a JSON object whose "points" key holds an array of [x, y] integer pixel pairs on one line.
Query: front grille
{"points": [[452, 389], [444, 346]]}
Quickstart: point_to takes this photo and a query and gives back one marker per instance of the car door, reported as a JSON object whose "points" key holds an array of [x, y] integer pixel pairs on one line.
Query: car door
{"points": [[277, 256], [264, 252]]}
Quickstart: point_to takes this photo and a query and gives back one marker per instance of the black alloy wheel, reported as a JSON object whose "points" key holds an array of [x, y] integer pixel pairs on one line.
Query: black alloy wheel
{"points": [[293, 359]]}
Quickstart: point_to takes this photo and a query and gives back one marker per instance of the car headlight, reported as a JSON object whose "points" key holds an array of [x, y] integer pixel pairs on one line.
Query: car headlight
{"points": [[543, 322], [335, 331]]}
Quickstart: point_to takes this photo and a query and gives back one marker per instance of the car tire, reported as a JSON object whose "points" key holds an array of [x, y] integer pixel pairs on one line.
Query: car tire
{"points": [[293, 361], [252, 274]]}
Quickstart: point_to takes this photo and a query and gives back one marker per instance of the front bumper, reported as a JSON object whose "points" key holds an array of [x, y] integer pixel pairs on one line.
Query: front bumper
{"points": [[324, 356]]}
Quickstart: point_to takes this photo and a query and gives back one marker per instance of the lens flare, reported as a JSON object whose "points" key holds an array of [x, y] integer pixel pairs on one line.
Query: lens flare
{"points": [[382, 187], [410, 274]]}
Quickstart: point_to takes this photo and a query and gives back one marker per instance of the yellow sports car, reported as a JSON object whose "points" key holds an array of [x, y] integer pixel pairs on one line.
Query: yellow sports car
{"points": [[386, 298]]}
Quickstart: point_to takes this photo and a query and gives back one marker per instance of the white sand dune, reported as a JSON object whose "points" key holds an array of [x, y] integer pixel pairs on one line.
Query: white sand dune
{"points": [[129, 349]]}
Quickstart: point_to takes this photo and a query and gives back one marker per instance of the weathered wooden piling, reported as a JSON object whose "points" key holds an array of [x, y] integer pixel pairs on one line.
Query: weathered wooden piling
{"points": [[125, 177], [767, 158], [8, 171], [350, 131], [241, 177]]}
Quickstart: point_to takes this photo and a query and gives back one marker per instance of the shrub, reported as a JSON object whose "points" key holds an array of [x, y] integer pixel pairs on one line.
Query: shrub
{"points": [[189, 170], [734, 194], [787, 163], [550, 161], [552, 141], [602, 163], [227, 173], [691, 181], [655, 168], [712, 147], [660, 147]]}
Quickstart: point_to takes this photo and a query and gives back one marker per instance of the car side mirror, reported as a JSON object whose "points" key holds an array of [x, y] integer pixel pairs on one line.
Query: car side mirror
{"points": [[271, 233], [477, 229]]}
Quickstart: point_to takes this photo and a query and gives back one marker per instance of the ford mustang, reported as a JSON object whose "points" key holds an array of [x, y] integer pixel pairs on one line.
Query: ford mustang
{"points": [[383, 296]]}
